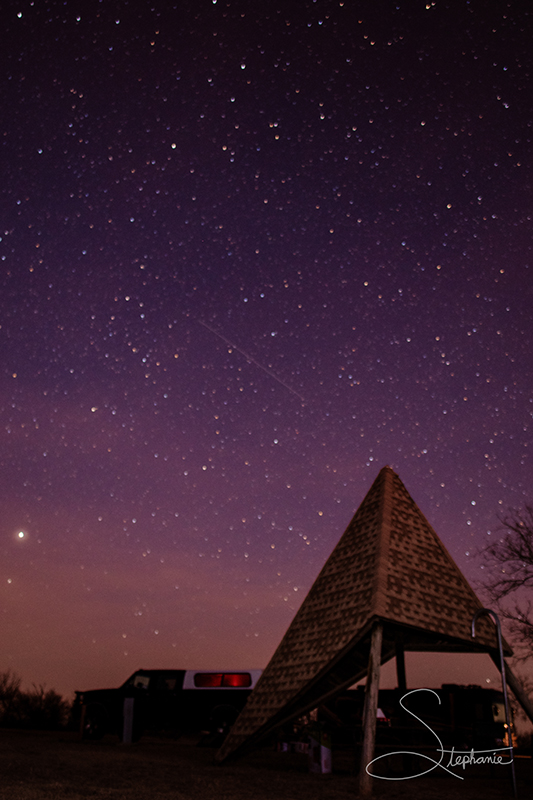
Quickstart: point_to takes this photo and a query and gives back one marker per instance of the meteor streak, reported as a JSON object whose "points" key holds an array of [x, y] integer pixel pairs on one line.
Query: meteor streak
{"points": [[250, 359]]}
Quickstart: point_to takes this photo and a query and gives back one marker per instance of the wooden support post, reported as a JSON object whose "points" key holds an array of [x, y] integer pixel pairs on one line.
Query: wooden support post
{"points": [[402, 689], [516, 687], [371, 710], [400, 667]]}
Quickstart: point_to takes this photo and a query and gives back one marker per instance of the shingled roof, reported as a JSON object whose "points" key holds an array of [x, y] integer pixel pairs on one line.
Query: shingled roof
{"points": [[388, 565]]}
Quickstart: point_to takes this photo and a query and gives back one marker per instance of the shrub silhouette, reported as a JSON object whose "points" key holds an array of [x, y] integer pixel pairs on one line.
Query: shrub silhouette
{"points": [[38, 709]]}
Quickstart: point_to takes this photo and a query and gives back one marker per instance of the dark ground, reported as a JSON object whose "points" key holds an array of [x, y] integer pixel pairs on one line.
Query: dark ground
{"points": [[35, 766]]}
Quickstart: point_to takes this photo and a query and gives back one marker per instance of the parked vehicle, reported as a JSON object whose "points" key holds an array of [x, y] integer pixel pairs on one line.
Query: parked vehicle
{"points": [[461, 716], [171, 701]]}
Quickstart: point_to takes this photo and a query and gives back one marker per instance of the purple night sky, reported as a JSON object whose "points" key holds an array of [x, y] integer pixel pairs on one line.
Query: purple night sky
{"points": [[251, 252]]}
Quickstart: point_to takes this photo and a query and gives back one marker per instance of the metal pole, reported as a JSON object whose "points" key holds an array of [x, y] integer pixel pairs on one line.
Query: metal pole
{"points": [[504, 681]]}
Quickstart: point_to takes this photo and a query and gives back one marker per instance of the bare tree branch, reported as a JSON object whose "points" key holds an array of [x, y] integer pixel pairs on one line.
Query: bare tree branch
{"points": [[510, 565]]}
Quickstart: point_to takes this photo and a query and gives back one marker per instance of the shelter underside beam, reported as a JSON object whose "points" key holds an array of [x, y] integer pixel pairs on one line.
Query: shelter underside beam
{"points": [[350, 667]]}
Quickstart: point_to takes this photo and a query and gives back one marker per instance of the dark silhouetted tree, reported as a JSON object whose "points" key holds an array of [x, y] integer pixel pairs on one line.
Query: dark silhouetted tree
{"points": [[39, 708], [10, 693], [509, 560], [44, 709]]}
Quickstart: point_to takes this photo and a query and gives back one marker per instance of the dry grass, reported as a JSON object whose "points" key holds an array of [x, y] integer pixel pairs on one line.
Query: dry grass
{"points": [[53, 766]]}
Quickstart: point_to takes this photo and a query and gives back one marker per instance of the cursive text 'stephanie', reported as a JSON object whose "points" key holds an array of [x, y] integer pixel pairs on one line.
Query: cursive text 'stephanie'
{"points": [[457, 758]]}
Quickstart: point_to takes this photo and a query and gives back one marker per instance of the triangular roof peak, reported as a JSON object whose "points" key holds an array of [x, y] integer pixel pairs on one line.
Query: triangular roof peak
{"points": [[389, 565]]}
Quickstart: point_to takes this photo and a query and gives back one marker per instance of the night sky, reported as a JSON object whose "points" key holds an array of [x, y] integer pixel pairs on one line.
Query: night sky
{"points": [[251, 252]]}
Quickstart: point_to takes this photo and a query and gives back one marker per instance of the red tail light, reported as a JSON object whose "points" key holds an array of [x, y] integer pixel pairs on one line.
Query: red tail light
{"points": [[205, 680], [237, 679]]}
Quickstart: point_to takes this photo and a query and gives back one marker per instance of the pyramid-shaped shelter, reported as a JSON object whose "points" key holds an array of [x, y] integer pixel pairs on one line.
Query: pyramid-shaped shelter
{"points": [[389, 566]]}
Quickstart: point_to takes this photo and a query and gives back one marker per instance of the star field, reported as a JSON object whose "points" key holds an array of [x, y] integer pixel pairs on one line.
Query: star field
{"points": [[250, 253]]}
